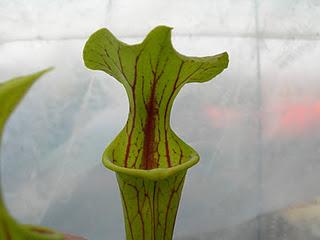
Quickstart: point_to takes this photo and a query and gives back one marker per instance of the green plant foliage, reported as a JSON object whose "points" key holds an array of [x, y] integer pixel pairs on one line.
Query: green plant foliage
{"points": [[149, 158], [152, 73], [11, 93]]}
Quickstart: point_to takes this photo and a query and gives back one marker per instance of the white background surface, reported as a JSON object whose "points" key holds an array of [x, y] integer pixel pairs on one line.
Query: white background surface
{"points": [[256, 126]]}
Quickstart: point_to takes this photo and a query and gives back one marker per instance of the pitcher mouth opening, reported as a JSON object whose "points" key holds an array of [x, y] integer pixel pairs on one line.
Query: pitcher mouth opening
{"points": [[154, 174]]}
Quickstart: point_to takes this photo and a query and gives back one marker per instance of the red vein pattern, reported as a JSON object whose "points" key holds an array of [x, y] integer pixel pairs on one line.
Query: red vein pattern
{"points": [[154, 217], [152, 73]]}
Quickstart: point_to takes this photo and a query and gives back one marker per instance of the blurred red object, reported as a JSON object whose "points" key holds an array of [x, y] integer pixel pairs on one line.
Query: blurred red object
{"points": [[222, 116], [292, 119], [286, 119]]}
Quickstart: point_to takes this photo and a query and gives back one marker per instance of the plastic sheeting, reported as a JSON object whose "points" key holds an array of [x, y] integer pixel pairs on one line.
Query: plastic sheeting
{"points": [[256, 126]]}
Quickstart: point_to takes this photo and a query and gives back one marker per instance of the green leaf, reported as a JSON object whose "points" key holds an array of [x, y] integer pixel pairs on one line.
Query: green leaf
{"points": [[153, 73], [11, 94]]}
